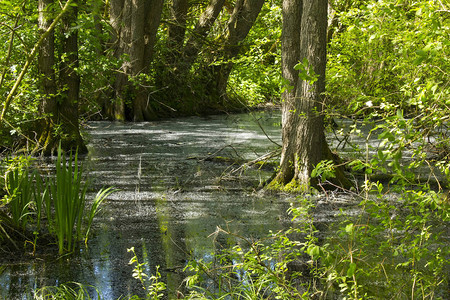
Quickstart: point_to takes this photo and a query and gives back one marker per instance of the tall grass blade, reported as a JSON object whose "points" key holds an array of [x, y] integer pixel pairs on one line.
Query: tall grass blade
{"points": [[66, 291], [95, 208]]}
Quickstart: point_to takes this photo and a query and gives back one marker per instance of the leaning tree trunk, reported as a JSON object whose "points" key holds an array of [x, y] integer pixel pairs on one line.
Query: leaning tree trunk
{"points": [[241, 21], [201, 30], [153, 18], [177, 29], [304, 143]]}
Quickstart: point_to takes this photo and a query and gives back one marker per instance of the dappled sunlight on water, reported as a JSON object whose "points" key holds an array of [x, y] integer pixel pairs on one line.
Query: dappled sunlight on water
{"points": [[172, 198]]}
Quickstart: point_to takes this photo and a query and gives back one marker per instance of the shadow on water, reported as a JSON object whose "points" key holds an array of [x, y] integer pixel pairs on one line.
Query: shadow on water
{"points": [[175, 189], [171, 198]]}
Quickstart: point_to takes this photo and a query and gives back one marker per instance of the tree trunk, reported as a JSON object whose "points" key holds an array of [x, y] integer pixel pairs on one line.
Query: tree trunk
{"points": [[290, 55], [311, 143], [241, 21], [145, 23], [70, 84], [177, 29], [137, 48], [153, 18], [136, 25], [201, 30], [304, 143], [123, 48], [46, 65], [61, 113]]}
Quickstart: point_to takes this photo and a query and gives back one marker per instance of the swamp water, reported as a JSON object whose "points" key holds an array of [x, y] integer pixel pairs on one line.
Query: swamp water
{"points": [[176, 186], [174, 192]]}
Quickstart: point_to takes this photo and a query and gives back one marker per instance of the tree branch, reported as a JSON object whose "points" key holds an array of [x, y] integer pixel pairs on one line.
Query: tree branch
{"points": [[30, 58]]}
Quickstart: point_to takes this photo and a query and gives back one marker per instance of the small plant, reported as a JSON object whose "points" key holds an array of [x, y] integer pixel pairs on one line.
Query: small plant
{"points": [[152, 285], [61, 200], [67, 291], [68, 194], [271, 268]]}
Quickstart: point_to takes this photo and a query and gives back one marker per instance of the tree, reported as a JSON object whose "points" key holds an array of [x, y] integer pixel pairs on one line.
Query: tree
{"points": [[201, 30], [134, 24], [59, 107], [304, 143], [177, 28], [241, 21]]}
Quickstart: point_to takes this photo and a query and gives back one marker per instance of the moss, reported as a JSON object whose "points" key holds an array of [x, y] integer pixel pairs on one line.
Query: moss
{"points": [[227, 160], [294, 186]]}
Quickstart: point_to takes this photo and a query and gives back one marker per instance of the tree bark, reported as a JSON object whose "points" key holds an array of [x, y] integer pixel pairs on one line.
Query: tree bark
{"points": [[46, 65], [59, 112], [123, 28], [241, 21], [201, 30], [70, 84], [136, 24], [177, 29], [153, 18], [304, 143], [290, 55], [137, 49], [311, 143]]}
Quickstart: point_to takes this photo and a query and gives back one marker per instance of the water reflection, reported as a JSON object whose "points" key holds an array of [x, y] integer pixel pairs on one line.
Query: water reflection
{"points": [[171, 199]]}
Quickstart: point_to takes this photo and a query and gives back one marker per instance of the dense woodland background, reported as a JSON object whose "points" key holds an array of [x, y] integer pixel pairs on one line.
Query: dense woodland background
{"points": [[142, 60], [380, 64]]}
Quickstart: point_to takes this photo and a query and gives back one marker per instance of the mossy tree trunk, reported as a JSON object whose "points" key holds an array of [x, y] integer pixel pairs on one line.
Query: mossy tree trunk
{"points": [[304, 143]]}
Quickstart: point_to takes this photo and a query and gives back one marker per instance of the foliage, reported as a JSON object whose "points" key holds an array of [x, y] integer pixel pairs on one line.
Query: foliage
{"points": [[152, 285], [60, 201], [269, 268], [19, 190], [390, 55], [68, 196], [67, 291], [256, 75]]}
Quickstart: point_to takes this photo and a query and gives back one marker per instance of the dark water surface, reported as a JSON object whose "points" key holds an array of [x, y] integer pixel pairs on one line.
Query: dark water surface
{"points": [[172, 196], [176, 187]]}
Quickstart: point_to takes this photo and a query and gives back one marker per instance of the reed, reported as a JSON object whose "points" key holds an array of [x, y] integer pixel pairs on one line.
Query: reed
{"points": [[68, 194], [66, 291], [28, 198], [19, 192], [96, 207]]}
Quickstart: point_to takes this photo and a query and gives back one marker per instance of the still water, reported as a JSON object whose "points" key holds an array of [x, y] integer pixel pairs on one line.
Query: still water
{"points": [[174, 192], [177, 183]]}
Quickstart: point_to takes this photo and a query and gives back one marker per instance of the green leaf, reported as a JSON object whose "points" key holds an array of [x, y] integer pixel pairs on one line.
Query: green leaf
{"points": [[351, 270], [349, 228], [313, 251]]}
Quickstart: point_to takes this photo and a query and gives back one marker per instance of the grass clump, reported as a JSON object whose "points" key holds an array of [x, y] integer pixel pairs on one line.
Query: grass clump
{"points": [[58, 203]]}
